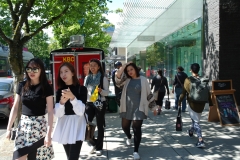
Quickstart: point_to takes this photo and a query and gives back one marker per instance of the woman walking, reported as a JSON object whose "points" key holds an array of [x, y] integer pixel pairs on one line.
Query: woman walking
{"points": [[134, 104], [69, 108], [95, 79], [33, 138], [161, 84]]}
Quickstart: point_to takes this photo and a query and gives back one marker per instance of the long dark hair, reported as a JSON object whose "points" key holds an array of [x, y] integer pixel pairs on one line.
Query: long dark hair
{"points": [[99, 64], [135, 68], [42, 79], [60, 82], [160, 72]]}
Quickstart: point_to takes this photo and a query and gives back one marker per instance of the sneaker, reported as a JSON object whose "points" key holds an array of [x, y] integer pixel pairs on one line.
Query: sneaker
{"points": [[99, 152], [136, 156], [92, 150], [189, 133], [200, 144], [128, 141]]}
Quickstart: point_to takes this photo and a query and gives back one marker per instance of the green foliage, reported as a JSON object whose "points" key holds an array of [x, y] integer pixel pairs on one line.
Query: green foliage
{"points": [[155, 54], [92, 24], [39, 47], [21, 20]]}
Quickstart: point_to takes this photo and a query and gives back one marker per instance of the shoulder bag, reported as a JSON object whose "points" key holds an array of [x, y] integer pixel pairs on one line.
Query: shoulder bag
{"points": [[155, 94], [179, 123], [167, 103], [179, 81], [90, 128]]}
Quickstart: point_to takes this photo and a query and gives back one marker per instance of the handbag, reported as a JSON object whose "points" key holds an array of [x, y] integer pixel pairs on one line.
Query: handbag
{"points": [[167, 103], [179, 122], [90, 129], [13, 133], [155, 94]]}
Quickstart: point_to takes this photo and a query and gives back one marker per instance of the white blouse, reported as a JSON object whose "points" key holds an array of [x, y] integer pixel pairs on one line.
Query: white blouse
{"points": [[69, 128]]}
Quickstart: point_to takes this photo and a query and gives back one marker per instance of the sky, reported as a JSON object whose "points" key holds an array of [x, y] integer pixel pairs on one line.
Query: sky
{"points": [[113, 17]]}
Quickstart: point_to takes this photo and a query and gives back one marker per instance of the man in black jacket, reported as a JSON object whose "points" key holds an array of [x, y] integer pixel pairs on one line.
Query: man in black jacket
{"points": [[178, 87], [117, 90]]}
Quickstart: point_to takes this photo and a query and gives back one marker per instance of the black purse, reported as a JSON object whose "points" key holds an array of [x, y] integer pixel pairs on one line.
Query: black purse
{"points": [[167, 103], [13, 134], [179, 123]]}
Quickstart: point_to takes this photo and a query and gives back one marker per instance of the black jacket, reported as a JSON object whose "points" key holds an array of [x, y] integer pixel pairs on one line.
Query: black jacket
{"points": [[160, 83], [181, 76]]}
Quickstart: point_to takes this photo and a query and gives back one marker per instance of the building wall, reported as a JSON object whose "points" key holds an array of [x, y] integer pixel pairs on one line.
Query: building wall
{"points": [[211, 39], [222, 44], [230, 43], [122, 51]]}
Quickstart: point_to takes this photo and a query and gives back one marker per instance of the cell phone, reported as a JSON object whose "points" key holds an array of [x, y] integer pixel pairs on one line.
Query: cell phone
{"points": [[65, 90]]}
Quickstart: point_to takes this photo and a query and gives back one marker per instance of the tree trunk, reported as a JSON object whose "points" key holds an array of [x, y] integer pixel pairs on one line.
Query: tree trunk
{"points": [[17, 66]]}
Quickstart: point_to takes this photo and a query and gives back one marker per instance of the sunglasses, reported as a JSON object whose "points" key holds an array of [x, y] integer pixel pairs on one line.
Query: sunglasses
{"points": [[34, 70]]}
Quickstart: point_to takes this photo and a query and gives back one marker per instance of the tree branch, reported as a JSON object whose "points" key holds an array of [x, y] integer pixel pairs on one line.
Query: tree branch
{"points": [[8, 40], [15, 18], [24, 16], [28, 36], [27, 26]]}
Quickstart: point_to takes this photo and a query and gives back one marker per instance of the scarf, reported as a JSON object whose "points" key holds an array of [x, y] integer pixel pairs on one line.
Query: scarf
{"points": [[93, 81]]}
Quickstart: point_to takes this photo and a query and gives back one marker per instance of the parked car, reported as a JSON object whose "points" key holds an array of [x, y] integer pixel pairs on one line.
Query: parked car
{"points": [[6, 97]]}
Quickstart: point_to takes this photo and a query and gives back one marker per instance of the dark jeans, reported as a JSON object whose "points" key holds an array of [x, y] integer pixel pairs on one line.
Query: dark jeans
{"points": [[178, 92], [136, 126], [93, 111], [73, 150], [160, 98]]}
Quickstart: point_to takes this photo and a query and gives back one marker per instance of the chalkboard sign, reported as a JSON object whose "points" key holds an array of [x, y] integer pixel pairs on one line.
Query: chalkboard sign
{"points": [[222, 85], [227, 109]]}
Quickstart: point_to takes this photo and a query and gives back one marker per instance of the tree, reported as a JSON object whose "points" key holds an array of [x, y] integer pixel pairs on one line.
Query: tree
{"points": [[39, 47], [21, 20], [92, 24], [155, 54], [27, 18]]}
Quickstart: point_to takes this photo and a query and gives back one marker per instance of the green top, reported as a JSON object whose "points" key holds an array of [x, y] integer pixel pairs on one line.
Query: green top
{"points": [[196, 107]]}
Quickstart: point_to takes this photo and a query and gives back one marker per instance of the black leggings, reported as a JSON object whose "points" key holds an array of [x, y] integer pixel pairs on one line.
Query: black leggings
{"points": [[92, 112], [136, 126], [160, 98], [73, 150]]}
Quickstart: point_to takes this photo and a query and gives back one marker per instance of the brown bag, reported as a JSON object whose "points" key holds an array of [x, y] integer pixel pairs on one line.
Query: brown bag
{"points": [[90, 129]]}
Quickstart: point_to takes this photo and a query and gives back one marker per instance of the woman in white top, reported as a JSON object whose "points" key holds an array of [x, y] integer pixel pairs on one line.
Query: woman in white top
{"points": [[96, 78], [69, 108]]}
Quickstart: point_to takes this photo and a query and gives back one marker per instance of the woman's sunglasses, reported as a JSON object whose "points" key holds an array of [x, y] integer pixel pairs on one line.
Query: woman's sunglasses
{"points": [[34, 70]]}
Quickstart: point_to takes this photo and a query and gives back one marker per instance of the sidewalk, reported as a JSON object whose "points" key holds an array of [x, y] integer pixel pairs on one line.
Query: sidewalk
{"points": [[159, 141]]}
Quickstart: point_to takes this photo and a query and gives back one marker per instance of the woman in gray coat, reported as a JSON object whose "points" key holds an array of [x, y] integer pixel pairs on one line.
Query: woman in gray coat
{"points": [[161, 84]]}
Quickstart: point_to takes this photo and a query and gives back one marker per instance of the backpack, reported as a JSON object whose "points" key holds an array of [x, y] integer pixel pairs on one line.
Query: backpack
{"points": [[199, 91]]}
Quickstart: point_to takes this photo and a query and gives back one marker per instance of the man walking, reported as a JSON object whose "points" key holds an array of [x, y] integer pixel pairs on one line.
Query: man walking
{"points": [[116, 89], [178, 87]]}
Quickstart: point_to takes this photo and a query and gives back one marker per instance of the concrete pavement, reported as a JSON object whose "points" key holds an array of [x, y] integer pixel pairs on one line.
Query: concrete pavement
{"points": [[160, 141]]}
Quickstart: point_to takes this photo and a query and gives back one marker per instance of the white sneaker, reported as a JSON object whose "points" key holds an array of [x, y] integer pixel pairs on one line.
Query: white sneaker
{"points": [[128, 141], [99, 153], [136, 156], [92, 150]]}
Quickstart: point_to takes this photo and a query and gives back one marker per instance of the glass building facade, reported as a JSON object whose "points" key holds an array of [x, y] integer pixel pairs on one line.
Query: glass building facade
{"points": [[181, 48]]}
